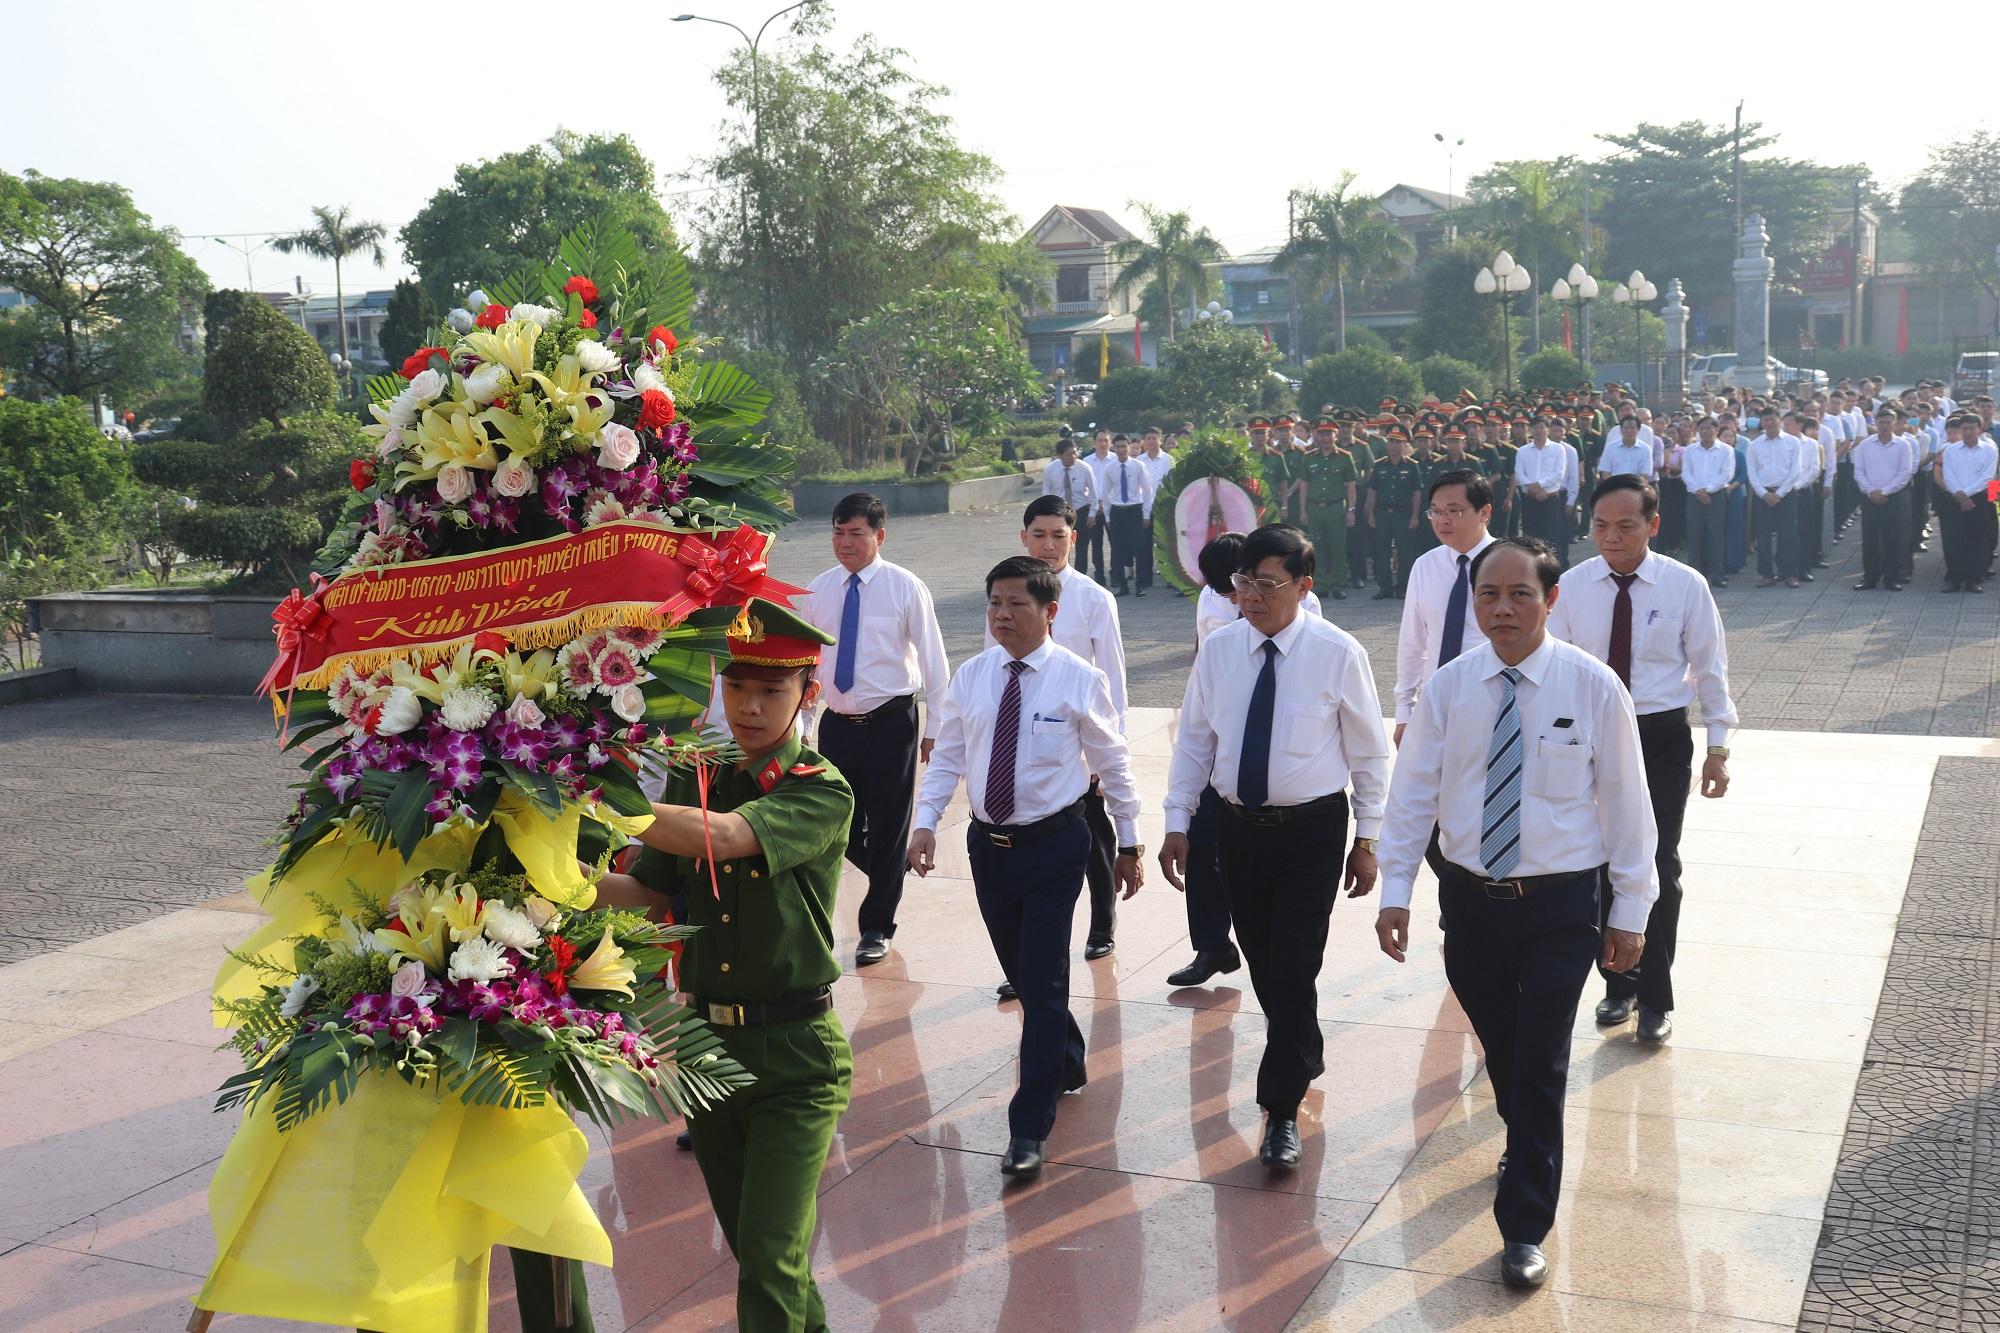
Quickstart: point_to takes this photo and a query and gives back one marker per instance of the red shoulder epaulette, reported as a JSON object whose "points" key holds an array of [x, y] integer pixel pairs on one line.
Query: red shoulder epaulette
{"points": [[807, 770]]}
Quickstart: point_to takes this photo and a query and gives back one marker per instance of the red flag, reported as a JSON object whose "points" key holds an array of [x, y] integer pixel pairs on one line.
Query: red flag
{"points": [[1138, 348], [1903, 324], [1267, 335], [1566, 343]]}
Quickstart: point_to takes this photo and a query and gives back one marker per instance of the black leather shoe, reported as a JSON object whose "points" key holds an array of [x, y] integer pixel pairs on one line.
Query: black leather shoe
{"points": [[1384, 596], [1866, 585], [1523, 1265], [1975, 587], [1806, 576], [1821, 564], [1005, 990], [1097, 949], [1718, 583], [1893, 587], [1654, 1027], [1205, 965], [1612, 1010], [1023, 1160], [1336, 594], [1139, 593], [684, 1141], [874, 947], [1501, 1170], [1281, 1144], [1075, 1080]]}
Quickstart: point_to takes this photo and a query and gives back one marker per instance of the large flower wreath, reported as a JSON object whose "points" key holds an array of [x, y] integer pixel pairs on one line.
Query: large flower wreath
{"points": [[568, 503]]}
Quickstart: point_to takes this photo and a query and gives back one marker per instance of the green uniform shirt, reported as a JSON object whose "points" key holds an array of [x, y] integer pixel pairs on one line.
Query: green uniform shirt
{"points": [[1395, 485], [1327, 476], [1276, 469], [770, 932]]}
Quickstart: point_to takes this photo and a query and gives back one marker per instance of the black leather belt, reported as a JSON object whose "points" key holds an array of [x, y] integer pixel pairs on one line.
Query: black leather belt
{"points": [[764, 1013], [1013, 835], [902, 703], [1270, 816], [1518, 887]]}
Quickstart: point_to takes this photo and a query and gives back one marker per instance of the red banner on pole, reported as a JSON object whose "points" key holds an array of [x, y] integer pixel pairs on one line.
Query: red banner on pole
{"points": [[1566, 343], [1903, 324]]}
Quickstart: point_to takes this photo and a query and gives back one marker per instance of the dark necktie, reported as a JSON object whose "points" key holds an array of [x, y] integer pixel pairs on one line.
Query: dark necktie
{"points": [[1253, 769], [1454, 614], [1071, 499], [1124, 484], [850, 635], [1006, 736], [1619, 658]]}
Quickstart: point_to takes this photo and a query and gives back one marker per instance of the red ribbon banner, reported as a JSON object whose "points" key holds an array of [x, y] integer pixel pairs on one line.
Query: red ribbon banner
{"points": [[539, 594]]}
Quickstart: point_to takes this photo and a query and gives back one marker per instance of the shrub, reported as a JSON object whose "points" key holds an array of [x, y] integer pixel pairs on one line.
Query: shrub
{"points": [[1213, 370], [1358, 335], [1447, 376], [1359, 377], [1128, 395], [263, 367], [1553, 368]]}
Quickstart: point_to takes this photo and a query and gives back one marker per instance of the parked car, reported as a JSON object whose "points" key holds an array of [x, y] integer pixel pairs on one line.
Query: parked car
{"points": [[1717, 371], [1976, 373]]}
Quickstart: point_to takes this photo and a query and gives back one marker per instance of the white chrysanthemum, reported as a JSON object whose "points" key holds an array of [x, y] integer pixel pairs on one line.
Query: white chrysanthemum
{"points": [[594, 357], [524, 313], [401, 710], [486, 383], [297, 994], [467, 708], [479, 960], [508, 927]]}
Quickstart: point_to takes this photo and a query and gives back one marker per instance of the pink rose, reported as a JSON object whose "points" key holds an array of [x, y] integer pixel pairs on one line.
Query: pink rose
{"points": [[454, 483], [629, 702], [408, 983], [513, 478], [617, 447], [524, 712]]}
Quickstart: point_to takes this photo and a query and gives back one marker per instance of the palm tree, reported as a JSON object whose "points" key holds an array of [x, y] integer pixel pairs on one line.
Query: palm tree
{"points": [[1174, 254], [335, 235], [1537, 210], [1337, 235]]}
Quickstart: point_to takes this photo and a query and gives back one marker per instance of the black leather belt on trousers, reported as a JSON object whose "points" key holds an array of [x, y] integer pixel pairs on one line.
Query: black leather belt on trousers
{"points": [[760, 1014], [1518, 887], [901, 703], [1672, 717], [1270, 816], [1013, 835]]}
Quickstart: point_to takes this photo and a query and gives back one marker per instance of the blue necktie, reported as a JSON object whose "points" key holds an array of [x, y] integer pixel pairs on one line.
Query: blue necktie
{"points": [[1124, 485], [1454, 615], [1253, 769], [850, 634]]}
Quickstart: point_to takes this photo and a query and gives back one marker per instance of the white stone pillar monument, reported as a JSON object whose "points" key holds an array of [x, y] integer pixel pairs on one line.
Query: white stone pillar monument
{"points": [[1675, 371], [1753, 271]]}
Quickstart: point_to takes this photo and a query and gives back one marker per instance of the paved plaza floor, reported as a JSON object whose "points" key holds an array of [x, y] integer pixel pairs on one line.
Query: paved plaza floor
{"points": [[1817, 1147]]}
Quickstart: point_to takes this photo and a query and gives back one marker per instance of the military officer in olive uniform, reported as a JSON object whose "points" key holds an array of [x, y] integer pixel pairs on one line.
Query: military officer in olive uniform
{"points": [[1274, 463], [1331, 477], [1360, 541], [761, 968], [1429, 458], [1395, 488]]}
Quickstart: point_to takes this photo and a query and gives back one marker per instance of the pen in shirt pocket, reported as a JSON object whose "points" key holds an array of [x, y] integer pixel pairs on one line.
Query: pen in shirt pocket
{"points": [[1651, 616]]}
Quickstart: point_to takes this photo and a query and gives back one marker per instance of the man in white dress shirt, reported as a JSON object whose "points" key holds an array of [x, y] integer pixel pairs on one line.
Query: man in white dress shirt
{"points": [[1280, 717], [1815, 471], [1541, 471], [1127, 499], [1964, 471], [1025, 724], [1094, 524], [1628, 454], [1708, 467], [1158, 463], [1653, 621], [1438, 624], [887, 650], [1884, 465], [1525, 753], [1075, 481], [1774, 476]]}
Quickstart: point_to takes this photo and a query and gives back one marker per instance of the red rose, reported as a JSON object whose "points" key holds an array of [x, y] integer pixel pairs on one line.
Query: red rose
{"points": [[656, 409], [664, 336], [492, 317], [361, 473], [586, 320], [417, 362], [583, 287], [487, 641]]}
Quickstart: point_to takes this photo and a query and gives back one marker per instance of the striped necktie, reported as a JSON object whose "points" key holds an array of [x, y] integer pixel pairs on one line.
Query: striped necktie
{"points": [[1500, 821], [1006, 736]]}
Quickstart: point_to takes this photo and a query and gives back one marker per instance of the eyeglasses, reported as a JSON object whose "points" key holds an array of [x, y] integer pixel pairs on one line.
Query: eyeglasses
{"points": [[1262, 587], [1454, 513]]}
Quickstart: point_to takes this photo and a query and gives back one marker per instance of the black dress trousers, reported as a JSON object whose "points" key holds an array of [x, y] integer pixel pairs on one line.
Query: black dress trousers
{"points": [[877, 753], [1517, 966], [1207, 906], [1099, 872], [1667, 748], [1281, 880]]}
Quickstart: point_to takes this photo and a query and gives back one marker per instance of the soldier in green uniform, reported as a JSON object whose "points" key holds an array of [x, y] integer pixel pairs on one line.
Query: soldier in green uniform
{"points": [[1331, 476], [1274, 463], [1429, 460], [1359, 543], [1394, 492], [761, 970]]}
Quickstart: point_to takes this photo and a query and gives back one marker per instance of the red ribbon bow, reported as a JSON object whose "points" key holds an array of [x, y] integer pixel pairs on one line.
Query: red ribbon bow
{"points": [[727, 573], [297, 620]]}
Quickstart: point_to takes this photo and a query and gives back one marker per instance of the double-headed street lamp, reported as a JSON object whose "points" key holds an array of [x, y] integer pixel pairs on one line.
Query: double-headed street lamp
{"points": [[1578, 290], [1635, 291], [756, 124], [1506, 280]]}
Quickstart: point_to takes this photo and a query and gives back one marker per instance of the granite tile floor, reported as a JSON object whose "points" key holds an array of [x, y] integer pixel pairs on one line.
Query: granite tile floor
{"points": [[1695, 1193]]}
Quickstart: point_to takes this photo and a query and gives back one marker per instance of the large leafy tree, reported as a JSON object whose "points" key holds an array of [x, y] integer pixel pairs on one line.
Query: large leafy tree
{"points": [[511, 212], [1668, 207], [1951, 210], [1174, 255], [338, 235], [409, 322], [263, 367], [1341, 236], [1539, 211], [860, 195], [110, 296], [933, 362], [1213, 370], [1452, 319]]}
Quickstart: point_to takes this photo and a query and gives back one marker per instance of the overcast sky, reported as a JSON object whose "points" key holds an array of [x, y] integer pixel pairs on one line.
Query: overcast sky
{"points": [[237, 117]]}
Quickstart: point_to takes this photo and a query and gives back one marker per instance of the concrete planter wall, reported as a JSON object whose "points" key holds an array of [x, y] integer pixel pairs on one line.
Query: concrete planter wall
{"points": [[166, 642], [815, 500]]}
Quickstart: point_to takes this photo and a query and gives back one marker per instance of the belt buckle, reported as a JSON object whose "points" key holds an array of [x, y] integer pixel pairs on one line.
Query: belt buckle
{"points": [[1000, 839], [1513, 887], [726, 1015]]}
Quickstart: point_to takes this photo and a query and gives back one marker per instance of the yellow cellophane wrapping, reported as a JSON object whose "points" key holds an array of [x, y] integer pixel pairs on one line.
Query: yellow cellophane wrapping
{"points": [[381, 1212]]}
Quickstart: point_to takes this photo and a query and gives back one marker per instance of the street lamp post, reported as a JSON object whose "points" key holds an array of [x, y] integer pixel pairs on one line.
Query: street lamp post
{"points": [[1506, 280], [1215, 310], [1451, 147], [1635, 291], [756, 127], [1578, 290], [343, 371]]}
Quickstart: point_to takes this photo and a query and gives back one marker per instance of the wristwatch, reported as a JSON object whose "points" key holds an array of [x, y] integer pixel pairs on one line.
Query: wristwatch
{"points": [[1718, 751], [1138, 849], [1365, 845]]}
